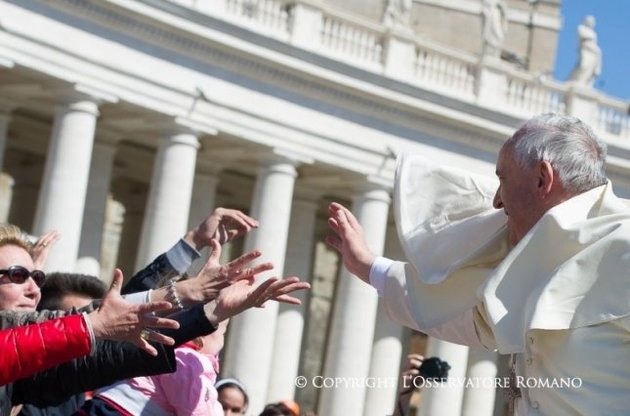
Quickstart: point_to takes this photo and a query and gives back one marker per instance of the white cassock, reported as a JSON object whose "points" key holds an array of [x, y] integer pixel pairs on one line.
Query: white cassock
{"points": [[559, 300]]}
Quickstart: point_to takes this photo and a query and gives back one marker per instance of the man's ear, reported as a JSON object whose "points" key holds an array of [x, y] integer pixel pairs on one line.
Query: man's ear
{"points": [[546, 178]]}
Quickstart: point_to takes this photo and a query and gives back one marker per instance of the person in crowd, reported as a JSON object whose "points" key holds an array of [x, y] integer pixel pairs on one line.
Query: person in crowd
{"points": [[114, 361], [189, 391], [67, 290], [64, 291], [406, 386], [543, 277], [233, 396], [276, 409]]}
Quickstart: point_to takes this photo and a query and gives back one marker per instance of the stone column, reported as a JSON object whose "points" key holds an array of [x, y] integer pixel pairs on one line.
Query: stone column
{"points": [[446, 400], [168, 206], [482, 369], [5, 119], [290, 323], [6, 196], [64, 185], [350, 341], [96, 205], [202, 203], [251, 334], [386, 350]]}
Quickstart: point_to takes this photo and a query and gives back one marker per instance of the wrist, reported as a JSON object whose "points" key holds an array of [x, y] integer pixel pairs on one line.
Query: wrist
{"points": [[194, 240], [189, 292]]}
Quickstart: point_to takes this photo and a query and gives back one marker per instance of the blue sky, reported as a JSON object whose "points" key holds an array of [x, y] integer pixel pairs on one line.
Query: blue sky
{"points": [[613, 30]]}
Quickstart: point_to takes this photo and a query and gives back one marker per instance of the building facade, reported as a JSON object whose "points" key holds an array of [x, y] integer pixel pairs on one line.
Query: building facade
{"points": [[123, 122]]}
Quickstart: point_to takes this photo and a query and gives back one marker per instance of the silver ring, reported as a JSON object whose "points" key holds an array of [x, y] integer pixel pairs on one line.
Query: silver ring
{"points": [[44, 244], [144, 334]]}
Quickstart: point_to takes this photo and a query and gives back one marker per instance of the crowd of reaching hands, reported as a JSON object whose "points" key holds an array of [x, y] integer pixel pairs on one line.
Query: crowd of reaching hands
{"points": [[132, 332]]}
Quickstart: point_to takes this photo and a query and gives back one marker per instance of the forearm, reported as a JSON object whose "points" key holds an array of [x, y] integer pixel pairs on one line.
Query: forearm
{"points": [[173, 263], [110, 362], [42, 346]]}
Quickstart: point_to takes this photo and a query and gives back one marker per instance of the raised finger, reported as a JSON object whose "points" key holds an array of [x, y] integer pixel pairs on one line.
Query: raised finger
{"points": [[289, 287], [247, 220], [158, 337], [251, 272], [243, 260], [144, 345]]}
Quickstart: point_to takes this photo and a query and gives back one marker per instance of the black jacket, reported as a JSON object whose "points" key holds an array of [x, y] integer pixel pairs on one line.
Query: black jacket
{"points": [[110, 361]]}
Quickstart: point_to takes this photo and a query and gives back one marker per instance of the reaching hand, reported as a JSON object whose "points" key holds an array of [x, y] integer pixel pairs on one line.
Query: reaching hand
{"points": [[117, 319], [42, 248], [349, 241], [214, 277], [243, 295], [411, 370], [222, 225]]}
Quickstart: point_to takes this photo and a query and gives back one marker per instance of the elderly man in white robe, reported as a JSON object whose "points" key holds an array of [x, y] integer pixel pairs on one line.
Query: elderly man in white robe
{"points": [[544, 276]]}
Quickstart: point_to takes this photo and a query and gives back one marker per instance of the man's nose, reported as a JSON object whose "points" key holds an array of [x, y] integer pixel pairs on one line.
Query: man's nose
{"points": [[496, 202]]}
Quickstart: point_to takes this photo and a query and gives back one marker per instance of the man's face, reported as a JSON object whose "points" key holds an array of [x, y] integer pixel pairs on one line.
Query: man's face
{"points": [[517, 195]]}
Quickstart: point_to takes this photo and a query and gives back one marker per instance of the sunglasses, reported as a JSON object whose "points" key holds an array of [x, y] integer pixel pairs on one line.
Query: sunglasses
{"points": [[19, 274]]}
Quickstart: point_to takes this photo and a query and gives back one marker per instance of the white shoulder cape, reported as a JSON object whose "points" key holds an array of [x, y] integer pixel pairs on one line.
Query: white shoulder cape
{"points": [[571, 270]]}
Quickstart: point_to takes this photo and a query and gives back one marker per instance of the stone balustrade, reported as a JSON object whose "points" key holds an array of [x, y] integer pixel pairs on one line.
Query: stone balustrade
{"points": [[311, 25]]}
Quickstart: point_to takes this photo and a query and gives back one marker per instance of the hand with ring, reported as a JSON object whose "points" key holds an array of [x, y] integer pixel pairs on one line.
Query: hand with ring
{"points": [[42, 247], [117, 319]]}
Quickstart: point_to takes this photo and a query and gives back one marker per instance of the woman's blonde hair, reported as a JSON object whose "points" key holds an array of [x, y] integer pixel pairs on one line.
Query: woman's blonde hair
{"points": [[12, 235]]}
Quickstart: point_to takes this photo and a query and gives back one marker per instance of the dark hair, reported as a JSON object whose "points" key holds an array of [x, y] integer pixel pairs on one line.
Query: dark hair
{"points": [[276, 409], [58, 285], [233, 383]]}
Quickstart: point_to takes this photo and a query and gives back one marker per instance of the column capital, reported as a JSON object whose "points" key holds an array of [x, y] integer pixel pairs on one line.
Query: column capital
{"points": [[279, 156], [180, 136], [82, 97], [6, 62], [195, 127]]}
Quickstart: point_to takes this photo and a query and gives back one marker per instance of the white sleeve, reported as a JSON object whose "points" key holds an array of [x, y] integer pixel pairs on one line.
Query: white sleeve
{"points": [[401, 305], [138, 297], [181, 256], [378, 273]]}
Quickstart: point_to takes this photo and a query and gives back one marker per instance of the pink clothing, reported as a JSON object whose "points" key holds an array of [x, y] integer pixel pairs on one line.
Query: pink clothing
{"points": [[188, 391]]}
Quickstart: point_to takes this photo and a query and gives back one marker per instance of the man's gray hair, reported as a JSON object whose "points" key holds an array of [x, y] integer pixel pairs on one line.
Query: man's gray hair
{"points": [[574, 151]]}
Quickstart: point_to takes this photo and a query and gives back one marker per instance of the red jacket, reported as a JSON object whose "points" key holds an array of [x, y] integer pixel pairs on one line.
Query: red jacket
{"points": [[32, 348]]}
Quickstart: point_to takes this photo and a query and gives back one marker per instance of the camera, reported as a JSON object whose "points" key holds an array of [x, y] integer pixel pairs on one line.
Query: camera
{"points": [[433, 369]]}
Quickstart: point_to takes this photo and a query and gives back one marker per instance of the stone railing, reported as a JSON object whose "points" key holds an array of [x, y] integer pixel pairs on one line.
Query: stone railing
{"points": [[527, 94], [267, 16], [396, 53], [612, 117], [351, 40], [444, 70]]}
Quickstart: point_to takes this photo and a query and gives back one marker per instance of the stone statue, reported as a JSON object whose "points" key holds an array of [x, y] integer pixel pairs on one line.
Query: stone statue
{"points": [[495, 23], [589, 65], [397, 13]]}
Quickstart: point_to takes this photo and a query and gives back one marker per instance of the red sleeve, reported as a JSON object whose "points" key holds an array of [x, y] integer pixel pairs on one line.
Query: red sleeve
{"points": [[32, 348]]}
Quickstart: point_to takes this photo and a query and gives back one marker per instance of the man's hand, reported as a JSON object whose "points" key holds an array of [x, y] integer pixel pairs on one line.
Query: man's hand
{"points": [[222, 225], [42, 247], [214, 277], [349, 241], [118, 320], [243, 295]]}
